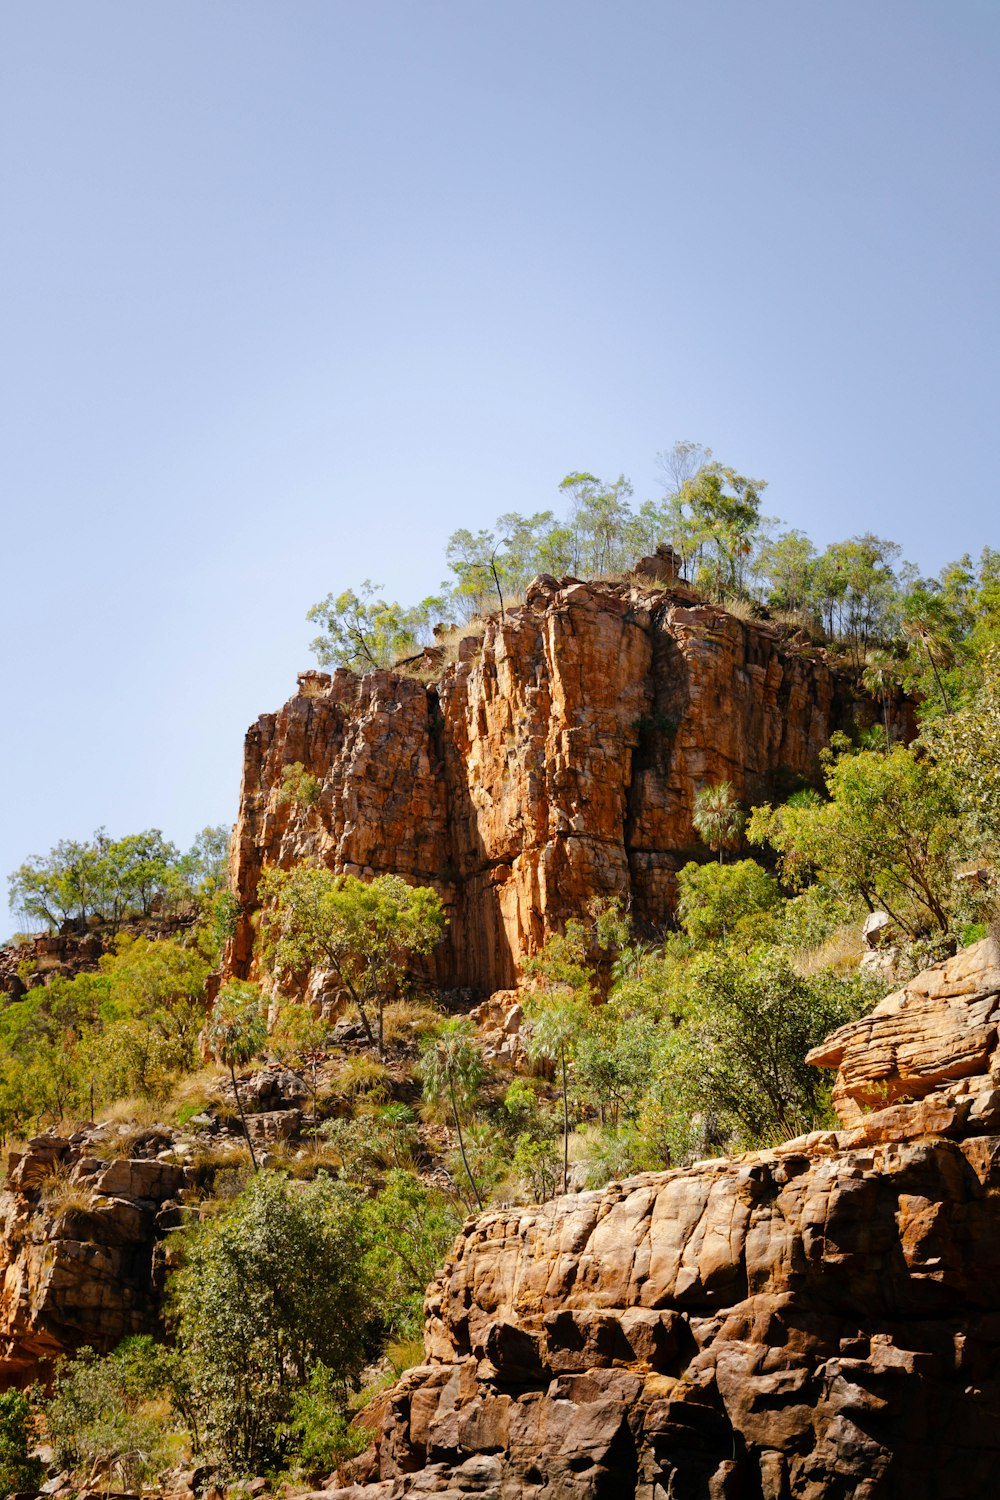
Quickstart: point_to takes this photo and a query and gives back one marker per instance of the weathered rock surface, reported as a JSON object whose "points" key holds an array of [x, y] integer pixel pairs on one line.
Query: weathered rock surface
{"points": [[819, 1320], [939, 1029], [77, 1242], [557, 760]]}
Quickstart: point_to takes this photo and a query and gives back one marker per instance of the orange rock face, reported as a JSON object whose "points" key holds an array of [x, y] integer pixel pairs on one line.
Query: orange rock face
{"points": [[555, 761]]}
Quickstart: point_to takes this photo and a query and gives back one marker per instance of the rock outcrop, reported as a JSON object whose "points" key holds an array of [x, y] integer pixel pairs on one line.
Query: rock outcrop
{"points": [[815, 1321], [556, 760], [77, 1240]]}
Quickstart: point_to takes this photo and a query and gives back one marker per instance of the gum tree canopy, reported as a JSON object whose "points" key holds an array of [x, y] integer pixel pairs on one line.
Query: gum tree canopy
{"points": [[365, 932]]}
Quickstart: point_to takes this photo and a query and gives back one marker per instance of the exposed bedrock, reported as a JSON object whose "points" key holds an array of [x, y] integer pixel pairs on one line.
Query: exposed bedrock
{"points": [[819, 1320], [557, 760]]}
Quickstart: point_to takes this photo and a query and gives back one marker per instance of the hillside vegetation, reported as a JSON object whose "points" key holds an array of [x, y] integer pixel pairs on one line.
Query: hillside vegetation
{"points": [[617, 1055]]}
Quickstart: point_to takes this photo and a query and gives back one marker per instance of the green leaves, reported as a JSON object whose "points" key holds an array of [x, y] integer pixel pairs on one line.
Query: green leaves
{"points": [[718, 817], [889, 836], [364, 931], [363, 632], [269, 1289]]}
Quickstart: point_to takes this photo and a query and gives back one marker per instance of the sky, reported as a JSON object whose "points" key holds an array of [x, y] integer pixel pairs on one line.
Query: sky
{"points": [[294, 290]]}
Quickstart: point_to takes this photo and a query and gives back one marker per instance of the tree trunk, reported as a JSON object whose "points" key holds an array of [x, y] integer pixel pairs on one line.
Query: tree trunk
{"points": [[565, 1124], [465, 1159], [243, 1118]]}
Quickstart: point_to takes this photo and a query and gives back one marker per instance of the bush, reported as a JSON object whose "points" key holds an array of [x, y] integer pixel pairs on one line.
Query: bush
{"points": [[112, 1415], [713, 898], [270, 1288], [18, 1469], [739, 1058]]}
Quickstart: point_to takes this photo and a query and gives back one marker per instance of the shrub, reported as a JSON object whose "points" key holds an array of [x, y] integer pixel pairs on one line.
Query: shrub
{"points": [[18, 1469], [270, 1288], [112, 1415]]}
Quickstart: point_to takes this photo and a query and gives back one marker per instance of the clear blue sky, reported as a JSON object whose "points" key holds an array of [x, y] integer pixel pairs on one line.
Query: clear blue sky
{"points": [[293, 290]]}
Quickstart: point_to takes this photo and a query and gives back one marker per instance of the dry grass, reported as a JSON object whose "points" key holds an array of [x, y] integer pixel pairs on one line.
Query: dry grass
{"points": [[841, 952], [793, 620], [742, 609], [409, 1020], [449, 641], [403, 1354], [15, 1144], [121, 1143], [360, 1076], [61, 1196], [136, 1111], [195, 1092]]}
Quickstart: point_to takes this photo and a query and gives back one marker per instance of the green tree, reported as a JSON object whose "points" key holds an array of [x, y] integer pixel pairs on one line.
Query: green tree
{"points": [[599, 522], [300, 1041], [559, 1009], [857, 592], [740, 1054], [204, 869], [718, 817], [889, 836], [964, 747], [789, 562], [411, 1228], [364, 932], [269, 1290], [236, 1033], [713, 899], [451, 1071], [105, 1416], [724, 512], [19, 1469], [881, 678], [363, 632]]}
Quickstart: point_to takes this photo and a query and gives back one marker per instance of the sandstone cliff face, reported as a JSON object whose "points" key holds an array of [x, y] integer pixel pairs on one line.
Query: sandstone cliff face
{"points": [[557, 760], [77, 1266], [820, 1320]]}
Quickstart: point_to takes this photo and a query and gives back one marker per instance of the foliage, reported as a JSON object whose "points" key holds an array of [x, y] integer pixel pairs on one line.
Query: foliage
{"points": [[19, 1470], [739, 1058], [112, 879], [111, 1416], [888, 836], [297, 786], [236, 1033], [964, 747], [718, 817], [269, 1289], [364, 931], [363, 632], [411, 1227], [300, 1041], [714, 899], [451, 1071], [319, 1432], [559, 1010]]}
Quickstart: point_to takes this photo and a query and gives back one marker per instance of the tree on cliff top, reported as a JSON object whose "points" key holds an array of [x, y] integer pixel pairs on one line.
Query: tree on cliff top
{"points": [[363, 632], [365, 932]]}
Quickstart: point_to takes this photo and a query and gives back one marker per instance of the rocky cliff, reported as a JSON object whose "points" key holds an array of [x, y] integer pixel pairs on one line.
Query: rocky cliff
{"points": [[556, 760], [815, 1321], [78, 1237]]}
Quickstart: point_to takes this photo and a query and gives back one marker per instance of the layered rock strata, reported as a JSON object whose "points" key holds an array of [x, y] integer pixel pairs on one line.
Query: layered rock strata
{"points": [[77, 1240], [819, 1320], [556, 760]]}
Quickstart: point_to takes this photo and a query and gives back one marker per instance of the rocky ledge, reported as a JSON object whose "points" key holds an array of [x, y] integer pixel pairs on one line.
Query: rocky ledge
{"points": [[819, 1320]]}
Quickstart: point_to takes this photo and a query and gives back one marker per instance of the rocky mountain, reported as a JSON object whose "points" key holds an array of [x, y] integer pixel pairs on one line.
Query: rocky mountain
{"points": [[555, 760], [820, 1320]]}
